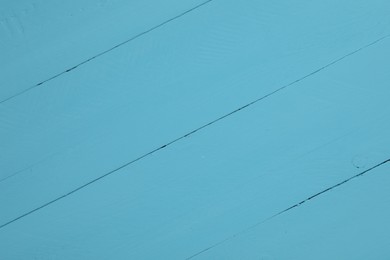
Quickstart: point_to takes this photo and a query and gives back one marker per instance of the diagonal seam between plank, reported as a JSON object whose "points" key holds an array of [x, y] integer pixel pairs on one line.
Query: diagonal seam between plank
{"points": [[288, 209], [105, 52], [191, 133]]}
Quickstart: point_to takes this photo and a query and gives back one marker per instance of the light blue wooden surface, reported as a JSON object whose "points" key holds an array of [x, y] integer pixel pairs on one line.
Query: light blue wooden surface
{"points": [[317, 73]]}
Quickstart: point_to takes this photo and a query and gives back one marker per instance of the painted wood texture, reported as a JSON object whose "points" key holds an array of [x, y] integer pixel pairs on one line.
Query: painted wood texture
{"points": [[189, 129]]}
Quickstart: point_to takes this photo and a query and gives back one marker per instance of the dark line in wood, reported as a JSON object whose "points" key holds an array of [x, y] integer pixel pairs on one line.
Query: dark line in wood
{"points": [[105, 52], [289, 208], [188, 134]]}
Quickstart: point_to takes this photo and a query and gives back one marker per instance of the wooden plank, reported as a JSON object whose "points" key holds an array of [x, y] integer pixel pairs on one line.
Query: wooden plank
{"points": [[163, 86], [218, 182]]}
